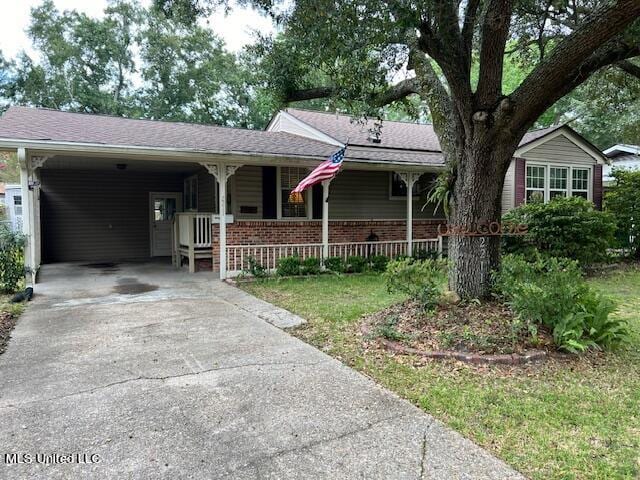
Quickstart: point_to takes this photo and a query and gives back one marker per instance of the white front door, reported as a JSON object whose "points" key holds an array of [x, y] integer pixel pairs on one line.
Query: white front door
{"points": [[163, 207]]}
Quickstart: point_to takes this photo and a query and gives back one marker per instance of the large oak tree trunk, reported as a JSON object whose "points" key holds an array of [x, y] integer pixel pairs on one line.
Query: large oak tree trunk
{"points": [[477, 202]]}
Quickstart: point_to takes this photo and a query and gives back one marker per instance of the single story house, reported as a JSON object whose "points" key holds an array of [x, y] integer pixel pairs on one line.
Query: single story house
{"points": [[101, 188], [621, 156]]}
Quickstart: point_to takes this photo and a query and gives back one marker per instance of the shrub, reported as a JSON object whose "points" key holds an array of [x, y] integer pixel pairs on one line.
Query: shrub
{"points": [[564, 227], [356, 264], [11, 259], [255, 268], [421, 280], [388, 329], [551, 291], [288, 266], [623, 201], [378, 263], [422, 254], [334, 264], [311, 266]]}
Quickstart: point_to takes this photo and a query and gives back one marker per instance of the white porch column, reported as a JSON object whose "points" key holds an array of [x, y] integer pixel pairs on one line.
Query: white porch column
{"points": [[221, 171], [26, 214], [409, 179], [325, 218]]}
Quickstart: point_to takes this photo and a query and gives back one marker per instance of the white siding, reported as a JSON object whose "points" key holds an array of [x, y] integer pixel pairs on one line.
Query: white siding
{"points": [[508, 190], [627, 161], [559, 150]]}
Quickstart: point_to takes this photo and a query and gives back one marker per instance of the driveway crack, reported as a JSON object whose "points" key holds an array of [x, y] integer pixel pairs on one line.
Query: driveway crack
{"points": [[161, 379]]}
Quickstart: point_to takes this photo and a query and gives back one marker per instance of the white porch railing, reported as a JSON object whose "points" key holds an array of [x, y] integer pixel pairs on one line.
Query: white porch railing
{"points": [[267, 256], [194, 228]]}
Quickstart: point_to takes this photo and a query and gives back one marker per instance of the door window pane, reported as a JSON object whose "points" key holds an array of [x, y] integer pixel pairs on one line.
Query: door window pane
{"points": [[164, 209]]}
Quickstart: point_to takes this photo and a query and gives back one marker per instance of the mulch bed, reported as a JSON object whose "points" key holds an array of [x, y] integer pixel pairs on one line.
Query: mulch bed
{"points": [[475, 333], [7, 322]]}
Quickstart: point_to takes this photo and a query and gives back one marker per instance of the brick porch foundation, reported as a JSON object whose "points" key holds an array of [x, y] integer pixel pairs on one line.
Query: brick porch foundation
{"points": [[252, 232]]}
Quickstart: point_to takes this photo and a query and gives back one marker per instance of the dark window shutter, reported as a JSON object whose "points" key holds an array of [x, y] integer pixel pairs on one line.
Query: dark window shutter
{"points": [[519, 181], [269, 193], [317, 201], [597, 186]]}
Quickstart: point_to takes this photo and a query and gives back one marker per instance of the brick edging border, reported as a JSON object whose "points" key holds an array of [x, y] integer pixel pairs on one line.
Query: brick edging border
{"points": [[473, 358]]}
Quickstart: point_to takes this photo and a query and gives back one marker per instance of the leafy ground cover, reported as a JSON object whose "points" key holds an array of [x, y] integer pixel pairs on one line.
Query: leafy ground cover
{"points": [[570, 417]]}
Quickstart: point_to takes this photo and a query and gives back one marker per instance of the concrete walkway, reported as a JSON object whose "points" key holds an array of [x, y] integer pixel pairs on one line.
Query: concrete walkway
{"points": [[161, 374]]}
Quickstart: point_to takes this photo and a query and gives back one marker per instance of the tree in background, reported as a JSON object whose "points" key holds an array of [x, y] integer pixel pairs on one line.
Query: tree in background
{"points": [[375, 53], [623, 200], [133, 62]]}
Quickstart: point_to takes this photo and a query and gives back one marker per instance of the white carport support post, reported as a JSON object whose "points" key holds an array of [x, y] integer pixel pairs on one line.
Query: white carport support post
{"points": [[325, 219], [26, 215], [409, 179], [221, 171]]}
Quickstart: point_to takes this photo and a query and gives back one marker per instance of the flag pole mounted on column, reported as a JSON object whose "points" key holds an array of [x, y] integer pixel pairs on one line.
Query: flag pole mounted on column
{"points": [[325, 171]]}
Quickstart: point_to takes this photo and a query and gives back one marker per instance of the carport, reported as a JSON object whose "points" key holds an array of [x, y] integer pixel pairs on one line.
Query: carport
{"points": [[113, 209]]}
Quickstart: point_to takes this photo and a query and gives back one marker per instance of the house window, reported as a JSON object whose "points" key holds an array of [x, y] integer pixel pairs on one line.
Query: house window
{"points": [[289, 179], [17, 205], [580, 182], [535, 183], [545, 182], [558, 183], [398, 188], [191, 193]]}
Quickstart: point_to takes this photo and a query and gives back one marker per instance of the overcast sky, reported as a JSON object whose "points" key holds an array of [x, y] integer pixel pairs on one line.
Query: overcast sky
{"points": [[235, 28]]}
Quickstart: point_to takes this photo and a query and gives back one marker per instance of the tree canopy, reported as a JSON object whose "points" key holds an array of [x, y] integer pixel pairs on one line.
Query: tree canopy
{"points": [[133, 61]]}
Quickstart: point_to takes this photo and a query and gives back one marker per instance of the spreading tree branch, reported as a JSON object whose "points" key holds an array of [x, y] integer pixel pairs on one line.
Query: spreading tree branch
{"points": [[630, 68], [495, 30], [565, 65]]}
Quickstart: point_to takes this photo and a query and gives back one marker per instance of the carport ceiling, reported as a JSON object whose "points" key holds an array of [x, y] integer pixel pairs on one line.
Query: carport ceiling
{"points": [[90, 163]]}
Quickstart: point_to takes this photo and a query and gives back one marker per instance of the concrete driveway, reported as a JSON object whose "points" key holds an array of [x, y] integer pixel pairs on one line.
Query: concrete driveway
{"points": [[152, 373]]}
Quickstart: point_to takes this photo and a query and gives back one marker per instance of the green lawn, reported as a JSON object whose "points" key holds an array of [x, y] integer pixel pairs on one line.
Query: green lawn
{"points": [[562, 421]]}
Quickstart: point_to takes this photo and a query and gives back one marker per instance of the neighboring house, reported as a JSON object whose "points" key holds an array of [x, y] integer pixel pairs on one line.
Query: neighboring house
{"points": [[102, 188], [621, 156], [13, 206]]}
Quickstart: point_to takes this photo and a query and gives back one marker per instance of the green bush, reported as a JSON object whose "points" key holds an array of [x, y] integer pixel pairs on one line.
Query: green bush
{"points": [[356, 264], [255, 268], [334, 264], [378, 263], [623, 201], [551, 291], [564, 227], [421, 280], [311, 266], [11, 259], [288, 266], [422, 254]]}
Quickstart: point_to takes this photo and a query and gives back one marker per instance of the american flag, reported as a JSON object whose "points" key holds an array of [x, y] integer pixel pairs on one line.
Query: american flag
{"points": [[326, 170]]}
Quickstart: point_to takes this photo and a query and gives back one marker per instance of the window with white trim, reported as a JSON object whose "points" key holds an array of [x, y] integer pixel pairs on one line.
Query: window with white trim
{"points": [[290, 177], [191, 193], [544, 182], [536, 183], [558, 182], [17, 205], [580, 182]]}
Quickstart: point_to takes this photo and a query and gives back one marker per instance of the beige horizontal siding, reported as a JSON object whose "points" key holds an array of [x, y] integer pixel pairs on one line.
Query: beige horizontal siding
{"points": [[561, 150], [508, 189], [353, 195]]}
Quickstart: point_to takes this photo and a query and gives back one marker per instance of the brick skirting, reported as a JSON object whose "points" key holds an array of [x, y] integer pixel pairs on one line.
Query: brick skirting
{"points": [[253, 232]]}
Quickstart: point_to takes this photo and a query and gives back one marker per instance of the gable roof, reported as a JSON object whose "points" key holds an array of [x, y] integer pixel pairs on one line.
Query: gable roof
{"points": [[44, 125], [622, 148], [395, 134]]}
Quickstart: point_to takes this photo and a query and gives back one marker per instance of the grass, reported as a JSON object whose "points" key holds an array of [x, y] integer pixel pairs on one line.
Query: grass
{"points": [[572, 420]]}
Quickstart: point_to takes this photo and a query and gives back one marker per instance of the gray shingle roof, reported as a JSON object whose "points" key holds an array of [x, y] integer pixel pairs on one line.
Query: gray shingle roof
{"points": [[26, 123], [399, 135]]}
